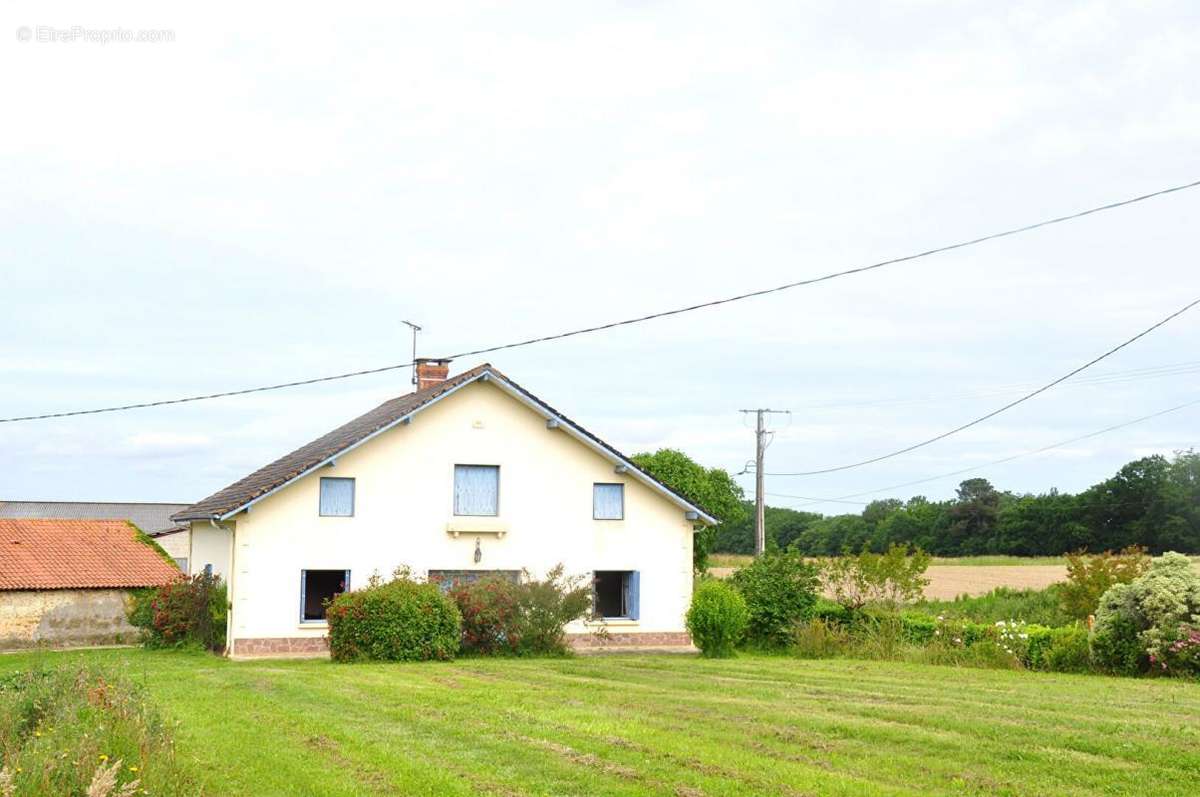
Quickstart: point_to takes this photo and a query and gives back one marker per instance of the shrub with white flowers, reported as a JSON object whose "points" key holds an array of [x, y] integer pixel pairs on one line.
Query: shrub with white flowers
{"points": [[1154, 621]]}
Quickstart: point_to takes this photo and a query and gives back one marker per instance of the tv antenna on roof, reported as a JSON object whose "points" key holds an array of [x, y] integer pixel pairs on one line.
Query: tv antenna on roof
{"points": [[415, 329]]}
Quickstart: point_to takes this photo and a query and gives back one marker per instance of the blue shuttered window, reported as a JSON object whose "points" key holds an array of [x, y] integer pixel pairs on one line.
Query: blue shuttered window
{"points": [[608, 501], [476, 489], [337, 497], [633, 586]]}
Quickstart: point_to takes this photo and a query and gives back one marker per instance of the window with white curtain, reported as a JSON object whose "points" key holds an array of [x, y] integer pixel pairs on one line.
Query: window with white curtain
{"points": [[476, 489], [608, 501], [337, 497]]}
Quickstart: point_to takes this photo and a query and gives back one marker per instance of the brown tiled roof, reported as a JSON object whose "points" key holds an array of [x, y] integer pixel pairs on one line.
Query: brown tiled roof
{"points": [[324, 448], [47, 553], [303, 459]]}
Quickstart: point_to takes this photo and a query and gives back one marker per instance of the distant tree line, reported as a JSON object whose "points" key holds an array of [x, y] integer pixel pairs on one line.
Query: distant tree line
{"points": [[1153, 502]]}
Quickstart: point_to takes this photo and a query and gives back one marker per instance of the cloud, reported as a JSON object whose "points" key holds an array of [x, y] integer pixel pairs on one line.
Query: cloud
{"points": [[161, 445]]}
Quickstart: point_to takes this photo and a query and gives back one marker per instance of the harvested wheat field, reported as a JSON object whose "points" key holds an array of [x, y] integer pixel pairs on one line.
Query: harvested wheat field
{"points": [[947, 582]]}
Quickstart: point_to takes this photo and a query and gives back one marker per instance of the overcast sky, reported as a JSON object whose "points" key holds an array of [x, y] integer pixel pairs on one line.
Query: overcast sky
{"points": [[265, 196]]}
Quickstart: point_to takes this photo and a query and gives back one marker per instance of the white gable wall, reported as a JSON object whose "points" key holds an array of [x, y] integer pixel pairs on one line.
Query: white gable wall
{"points": [[404, 501]]}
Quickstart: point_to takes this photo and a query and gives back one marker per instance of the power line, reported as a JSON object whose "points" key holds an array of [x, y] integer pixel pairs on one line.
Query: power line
{"points": [[1033, 452], [1104, 378], [1006, 407], [636, 320], [813, 500]]}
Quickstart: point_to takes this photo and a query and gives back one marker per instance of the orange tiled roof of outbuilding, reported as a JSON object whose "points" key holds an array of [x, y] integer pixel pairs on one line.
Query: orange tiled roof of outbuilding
{"points": [[77, 554]]}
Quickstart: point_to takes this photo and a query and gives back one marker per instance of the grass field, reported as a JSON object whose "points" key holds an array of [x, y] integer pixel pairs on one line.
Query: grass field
{"points": [[666, 724]]}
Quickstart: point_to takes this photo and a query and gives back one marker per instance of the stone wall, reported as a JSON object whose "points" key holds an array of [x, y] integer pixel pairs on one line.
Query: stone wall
{"points": [[63, 618]]}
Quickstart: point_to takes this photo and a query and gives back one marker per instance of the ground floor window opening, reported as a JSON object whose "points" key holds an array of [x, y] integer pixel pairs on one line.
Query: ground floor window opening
{"points": [[615, 594], [317, 589]]}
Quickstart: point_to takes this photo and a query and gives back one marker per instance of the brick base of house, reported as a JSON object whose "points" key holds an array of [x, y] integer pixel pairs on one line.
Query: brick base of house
{"points": [[619, 641], [282, 646]]}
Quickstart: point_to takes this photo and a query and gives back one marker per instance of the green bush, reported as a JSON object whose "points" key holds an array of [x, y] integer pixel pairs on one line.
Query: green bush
{"points": [[1089, 577], [888, 579], [503, 617], [779, 588], [717, 618], [1139, 623], [72, 730], [1037, 646], [491, 616], [401, 620], [830, 612], [1116, 642], [186, 613], [917, 628], [1068, 650], [546, 606]]}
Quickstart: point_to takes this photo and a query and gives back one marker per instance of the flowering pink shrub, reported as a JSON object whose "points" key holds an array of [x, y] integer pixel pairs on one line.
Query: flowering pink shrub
{"points": [[1180, 653]]}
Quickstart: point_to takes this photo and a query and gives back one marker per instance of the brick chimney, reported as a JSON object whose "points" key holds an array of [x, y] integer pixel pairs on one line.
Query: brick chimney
{"points": [[431, 372]]}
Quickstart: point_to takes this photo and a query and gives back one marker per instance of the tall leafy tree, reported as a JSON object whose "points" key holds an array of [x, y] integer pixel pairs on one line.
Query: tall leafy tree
{"points": [[711, 488], [973, 517]]}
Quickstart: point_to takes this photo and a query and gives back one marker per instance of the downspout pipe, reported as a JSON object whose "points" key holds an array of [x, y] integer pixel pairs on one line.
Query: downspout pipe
{"points": [[229, 582]]}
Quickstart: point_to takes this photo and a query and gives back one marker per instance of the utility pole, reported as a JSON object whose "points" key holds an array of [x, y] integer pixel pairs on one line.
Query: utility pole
{"points": [[415, 329], [762, 439]]}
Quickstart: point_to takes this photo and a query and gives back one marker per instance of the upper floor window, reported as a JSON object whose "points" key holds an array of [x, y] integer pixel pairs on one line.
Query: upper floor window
{"points": [[476, 489], [337, 497], [608, 501]]}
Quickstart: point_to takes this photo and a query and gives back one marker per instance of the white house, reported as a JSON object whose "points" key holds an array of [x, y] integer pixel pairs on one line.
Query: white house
{"points": [[468, 475]]}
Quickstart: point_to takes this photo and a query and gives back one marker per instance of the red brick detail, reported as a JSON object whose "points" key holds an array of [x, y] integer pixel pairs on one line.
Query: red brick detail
{"points": [[431, 372], [280, 646], [615, 641]]}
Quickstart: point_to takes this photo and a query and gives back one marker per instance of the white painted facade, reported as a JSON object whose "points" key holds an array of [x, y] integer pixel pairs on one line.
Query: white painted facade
{"points": [[404, 515]]}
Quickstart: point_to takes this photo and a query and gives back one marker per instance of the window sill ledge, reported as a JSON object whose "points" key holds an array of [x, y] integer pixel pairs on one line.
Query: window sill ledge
{"points": [[456, 528], [620, 622], [316, 625]]}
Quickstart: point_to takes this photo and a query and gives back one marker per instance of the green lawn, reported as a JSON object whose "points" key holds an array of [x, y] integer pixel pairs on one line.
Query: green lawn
{"points": [[665, 724]]}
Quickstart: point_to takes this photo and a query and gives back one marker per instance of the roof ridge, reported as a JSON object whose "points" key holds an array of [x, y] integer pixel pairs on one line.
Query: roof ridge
{"points": [[333, 444], [304, 458]]}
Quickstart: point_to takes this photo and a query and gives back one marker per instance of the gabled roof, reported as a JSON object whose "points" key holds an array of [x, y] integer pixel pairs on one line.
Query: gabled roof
{"points": [[152, 518], [305, 459], [54, 553]]}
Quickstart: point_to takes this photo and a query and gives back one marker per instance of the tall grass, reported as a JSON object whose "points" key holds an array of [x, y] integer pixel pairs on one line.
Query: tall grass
{"points": [[1041, 606], [73, 730]]}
